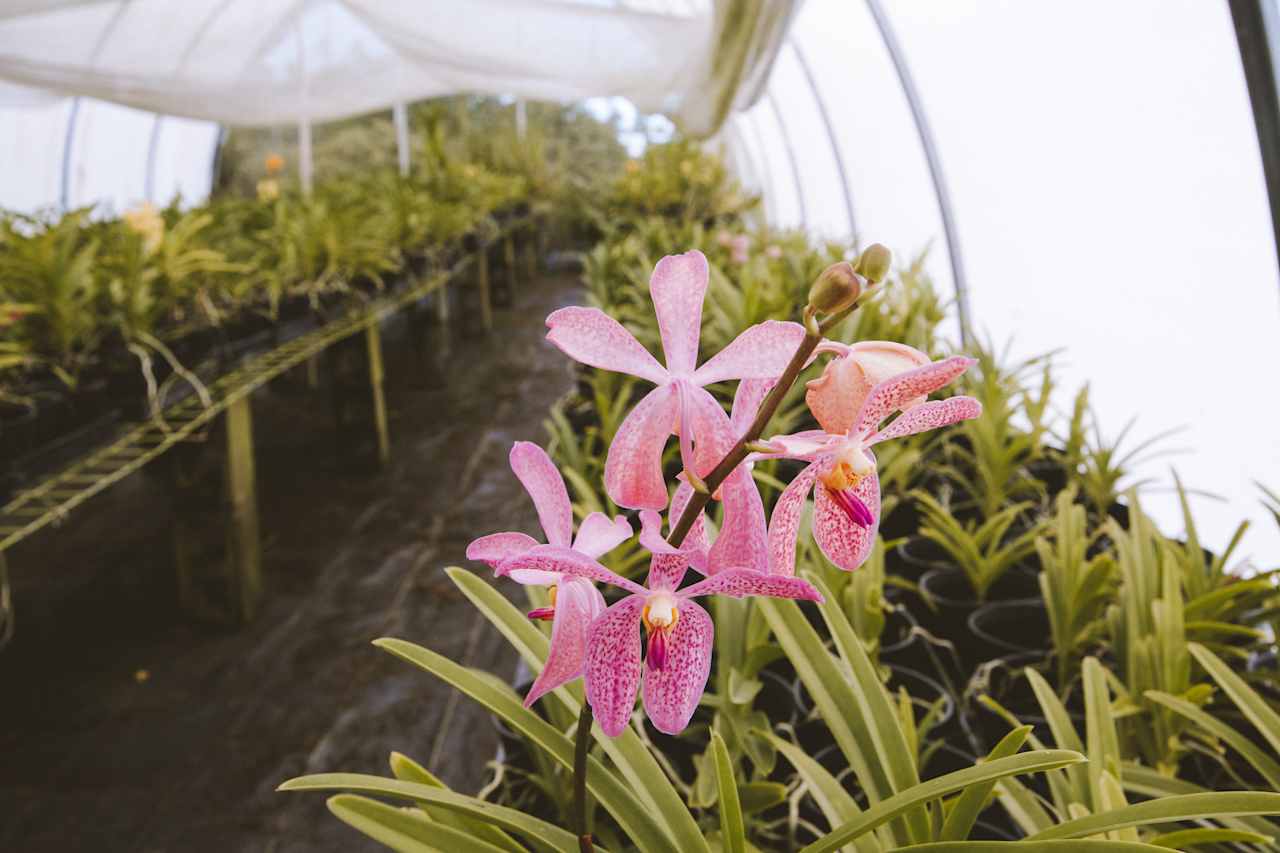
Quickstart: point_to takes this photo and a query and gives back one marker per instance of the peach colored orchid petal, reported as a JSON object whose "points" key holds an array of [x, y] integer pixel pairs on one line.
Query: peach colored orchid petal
{"points": [[740, 583], [593, 337], [612, 672], [496, 547], [565, 561], [760, 352], [671, 693], [836, 396], [678, 286], [578, 603], [743, 539], [807, 445], [846, 543], [598, 535], [893, 394], [784, 524], [633, 469], [934, 414], [538, 474]]}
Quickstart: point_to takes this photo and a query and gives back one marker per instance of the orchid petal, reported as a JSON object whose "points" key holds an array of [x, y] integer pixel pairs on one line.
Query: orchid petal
{"points": [[895, 393], [612, 672], [846, 543], [533, 577], [540, 478], [836, 396], [598, 535], [696, 538], [578, 603], [593, 337], [566, 561], [496, 547], [671, 693], [744, 537], [784, 524], [667, 568], [931, 415], [678, 286], [633, 469], [807, 445], [740, 583], [760, 352], [746, 403], [712, 435]]}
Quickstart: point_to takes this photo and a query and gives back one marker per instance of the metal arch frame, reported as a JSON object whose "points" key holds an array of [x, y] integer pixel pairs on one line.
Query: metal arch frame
{"points": [[927, 142], [831, 135], [756, 173], [1257, 28], [791, 156], [767, 185]]}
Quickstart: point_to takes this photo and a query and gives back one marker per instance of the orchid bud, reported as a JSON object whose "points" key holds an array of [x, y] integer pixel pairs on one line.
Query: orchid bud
{"points": [[873, 263], [835, 289]]}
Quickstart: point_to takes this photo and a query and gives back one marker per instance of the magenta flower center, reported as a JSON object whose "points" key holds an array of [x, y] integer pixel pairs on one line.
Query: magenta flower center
{"points": [[547, 612], [854, 507], [659, 616]]}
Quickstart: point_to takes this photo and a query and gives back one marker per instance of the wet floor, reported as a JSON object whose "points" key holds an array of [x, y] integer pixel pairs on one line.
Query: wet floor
{"points": [[127, 723]]}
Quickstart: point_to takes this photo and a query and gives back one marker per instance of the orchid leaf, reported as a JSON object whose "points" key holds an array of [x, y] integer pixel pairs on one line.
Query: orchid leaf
{"points": [[403, 830], [732, 832], [1206, 806]]}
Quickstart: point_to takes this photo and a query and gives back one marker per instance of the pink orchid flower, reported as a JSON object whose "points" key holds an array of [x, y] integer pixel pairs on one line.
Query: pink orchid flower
{"points": [[681, 404], [575, 602], [837, 395], [677, 660], [740, 249], [842, 468]]}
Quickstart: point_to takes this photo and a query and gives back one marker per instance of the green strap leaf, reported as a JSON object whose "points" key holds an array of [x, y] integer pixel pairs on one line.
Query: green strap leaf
{"points": [[1027, 762], [545, 835], [403, 830], [1034, 847], [406, 769], [1146, 782], [1191, 837], [1250, 703], [732, 832], [1169, 810], [965, 810], [1267, 766]]}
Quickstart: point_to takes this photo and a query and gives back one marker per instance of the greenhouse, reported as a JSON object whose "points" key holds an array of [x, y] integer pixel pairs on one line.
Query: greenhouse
{"points": [[639, 425]]}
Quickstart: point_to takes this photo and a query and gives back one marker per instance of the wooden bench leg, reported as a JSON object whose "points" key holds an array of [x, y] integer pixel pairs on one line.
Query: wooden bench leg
{"points": [[373, 339], [244, 550], [504, 292], [482, 284]]}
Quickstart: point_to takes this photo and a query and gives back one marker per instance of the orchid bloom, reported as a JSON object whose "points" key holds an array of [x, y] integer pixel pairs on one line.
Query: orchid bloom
{"points": [[837, 395], [842, 468], [575, 601], [633, 469], [680, 634]]}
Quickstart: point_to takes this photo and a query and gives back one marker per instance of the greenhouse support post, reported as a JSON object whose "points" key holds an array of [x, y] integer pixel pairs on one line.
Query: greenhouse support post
{"points": [[400, 117], [244, 551], [1257, 26], [482, 285], [791, 157], [373, 342]]}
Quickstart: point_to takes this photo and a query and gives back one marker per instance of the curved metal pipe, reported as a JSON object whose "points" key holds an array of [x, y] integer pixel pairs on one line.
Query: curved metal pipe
{"points": [[767, 184], [150, 181], [831, 136], [935, 163], [791, 156]]}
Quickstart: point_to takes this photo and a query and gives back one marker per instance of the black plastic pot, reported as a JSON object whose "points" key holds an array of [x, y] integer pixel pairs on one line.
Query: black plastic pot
{"points": [[1010, 627], [1004, 680], [916, 556]]}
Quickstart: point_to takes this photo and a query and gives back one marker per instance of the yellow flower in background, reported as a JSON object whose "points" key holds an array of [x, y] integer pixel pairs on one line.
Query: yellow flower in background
{"points": [[633, 166], [274, 164], [268, 189], [146, 222]]}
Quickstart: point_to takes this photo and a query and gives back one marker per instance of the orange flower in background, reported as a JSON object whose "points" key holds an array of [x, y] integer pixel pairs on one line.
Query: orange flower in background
{"points": [[147, 223], [274, 164]]}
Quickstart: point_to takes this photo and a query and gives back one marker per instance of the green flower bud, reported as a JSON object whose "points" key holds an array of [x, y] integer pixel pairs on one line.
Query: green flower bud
{"points": [[835, 289], [873, 263]]}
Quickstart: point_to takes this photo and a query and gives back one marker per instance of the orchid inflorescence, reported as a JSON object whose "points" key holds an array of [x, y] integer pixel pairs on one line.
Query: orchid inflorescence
{"points": [[862, 387]]}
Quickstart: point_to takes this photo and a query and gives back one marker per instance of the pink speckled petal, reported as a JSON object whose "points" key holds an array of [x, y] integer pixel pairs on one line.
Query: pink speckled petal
{"points": [[593, 337], [671, 694], [496, 547], [894, 394], [553, 558], [538, 474], [739, 583], [598, 535], [533, 577], [846, 543], [744, 538], [612, 673], [667, 567], [760, 352], [712, 435], [746, 402], [807, 445], [678, 285], [931, 415], [784, 524], [696, 538], [578, 603], [836, 396], [633, 469]]}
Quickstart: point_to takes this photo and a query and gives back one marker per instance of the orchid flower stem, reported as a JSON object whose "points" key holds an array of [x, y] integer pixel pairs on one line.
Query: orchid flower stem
{"points": [[813, 337], [585, 719]]}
